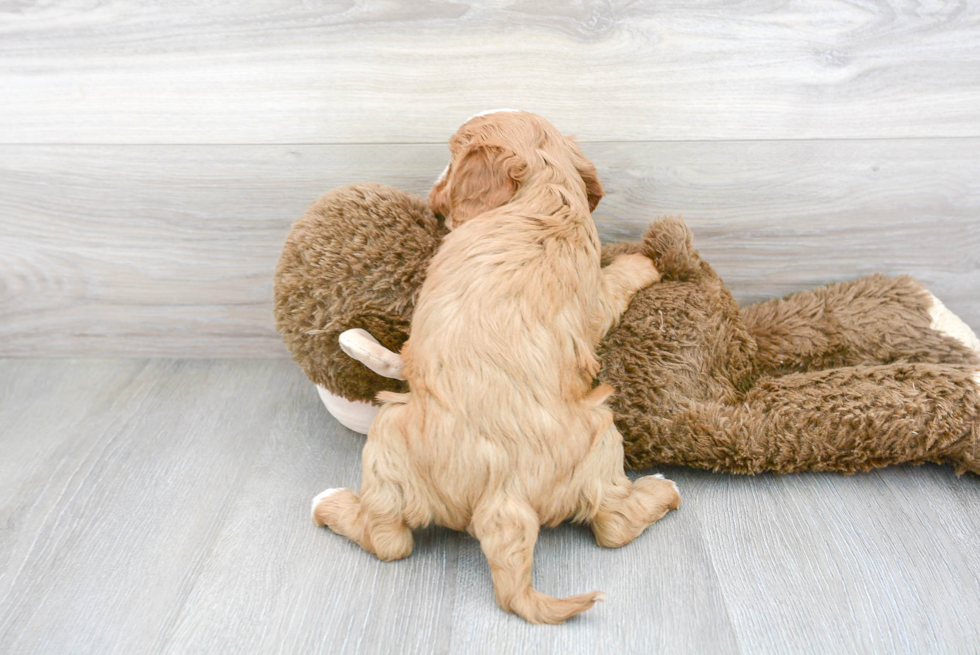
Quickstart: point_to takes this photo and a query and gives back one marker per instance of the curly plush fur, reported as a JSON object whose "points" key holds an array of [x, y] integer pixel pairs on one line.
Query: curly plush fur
{"points": [[356, 259], [847, 377]]}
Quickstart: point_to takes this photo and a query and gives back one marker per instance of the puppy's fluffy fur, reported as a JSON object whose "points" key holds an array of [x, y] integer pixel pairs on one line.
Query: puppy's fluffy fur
{"points": [[502, 431]]}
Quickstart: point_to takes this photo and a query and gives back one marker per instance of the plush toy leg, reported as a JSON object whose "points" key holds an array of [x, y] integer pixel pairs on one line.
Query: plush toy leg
{"points": [[848, 419], [872, 320]]}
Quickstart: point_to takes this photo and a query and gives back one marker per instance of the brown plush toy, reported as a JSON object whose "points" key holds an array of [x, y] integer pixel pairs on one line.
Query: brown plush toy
{"points": [[847, 377]]}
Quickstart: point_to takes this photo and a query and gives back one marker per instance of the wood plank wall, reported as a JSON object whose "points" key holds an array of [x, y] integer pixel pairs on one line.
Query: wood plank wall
{"points": [[152, 157]]}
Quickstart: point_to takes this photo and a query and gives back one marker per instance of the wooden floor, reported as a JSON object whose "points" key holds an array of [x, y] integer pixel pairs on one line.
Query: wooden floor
{"points": [[151, 506]]}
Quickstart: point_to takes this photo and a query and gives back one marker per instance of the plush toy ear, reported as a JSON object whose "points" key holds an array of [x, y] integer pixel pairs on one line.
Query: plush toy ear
{"points": [[484, 178]]}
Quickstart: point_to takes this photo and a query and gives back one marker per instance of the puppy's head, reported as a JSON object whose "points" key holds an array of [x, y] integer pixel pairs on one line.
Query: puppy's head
{"points": [[495, 154]]}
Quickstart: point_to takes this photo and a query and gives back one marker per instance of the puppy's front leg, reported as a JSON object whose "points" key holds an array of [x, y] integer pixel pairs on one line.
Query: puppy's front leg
{"points": [[626, 275]]}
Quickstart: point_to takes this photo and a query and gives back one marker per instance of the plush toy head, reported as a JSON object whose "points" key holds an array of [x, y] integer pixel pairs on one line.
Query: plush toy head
{"points": [[355, 260]]}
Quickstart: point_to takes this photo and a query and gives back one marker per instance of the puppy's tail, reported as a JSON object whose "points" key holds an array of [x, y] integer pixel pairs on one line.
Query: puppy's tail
{"points": [[507, 530]]}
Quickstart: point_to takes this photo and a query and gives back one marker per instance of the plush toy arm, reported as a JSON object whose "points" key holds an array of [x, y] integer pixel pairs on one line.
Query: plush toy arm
{"points": [[626, 275], [872, 320], [363, 347], [358, 415]]}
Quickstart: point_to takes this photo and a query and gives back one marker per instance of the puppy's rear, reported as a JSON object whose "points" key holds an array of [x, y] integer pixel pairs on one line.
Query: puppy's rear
{"points": [[502, 431]]}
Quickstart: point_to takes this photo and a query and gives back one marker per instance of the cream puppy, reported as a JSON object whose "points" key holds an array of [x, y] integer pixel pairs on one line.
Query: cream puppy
{"points": [[502, 431]]}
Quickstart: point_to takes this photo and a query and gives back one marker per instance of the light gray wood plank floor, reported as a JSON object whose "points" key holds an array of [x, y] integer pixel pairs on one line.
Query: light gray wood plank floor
{"points": [[152, 506]]}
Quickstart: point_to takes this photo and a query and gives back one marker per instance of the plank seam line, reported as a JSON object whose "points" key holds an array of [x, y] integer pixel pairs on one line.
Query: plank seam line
{"points": [[86, 144]]}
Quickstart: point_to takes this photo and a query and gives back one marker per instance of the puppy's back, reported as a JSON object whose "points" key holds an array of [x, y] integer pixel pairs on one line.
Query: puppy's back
{"points": [[503, 316]]}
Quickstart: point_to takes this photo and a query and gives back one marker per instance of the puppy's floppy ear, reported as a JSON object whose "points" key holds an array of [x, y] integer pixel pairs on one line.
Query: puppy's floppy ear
{"points": [[593, 187], [439, 195], [585, 168], [485, 177]]}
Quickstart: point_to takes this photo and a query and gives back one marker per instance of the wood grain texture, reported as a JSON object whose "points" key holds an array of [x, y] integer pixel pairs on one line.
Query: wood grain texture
{"points": [[164, 508], [105, 533], [170, 250], [339, 71], [902, 583]]}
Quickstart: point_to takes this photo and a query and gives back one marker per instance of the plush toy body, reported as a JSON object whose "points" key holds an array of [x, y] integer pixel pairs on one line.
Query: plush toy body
{"points": [[846, 377]]}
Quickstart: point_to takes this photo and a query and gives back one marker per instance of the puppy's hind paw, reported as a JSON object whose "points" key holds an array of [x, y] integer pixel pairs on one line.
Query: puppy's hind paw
{"points": [[663, 489], [319, 498]]}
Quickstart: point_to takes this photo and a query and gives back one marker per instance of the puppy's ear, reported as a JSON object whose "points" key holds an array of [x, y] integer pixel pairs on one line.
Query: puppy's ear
{"points": [[484, 178], [593, 187], [585, 168], [439, 195]]}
